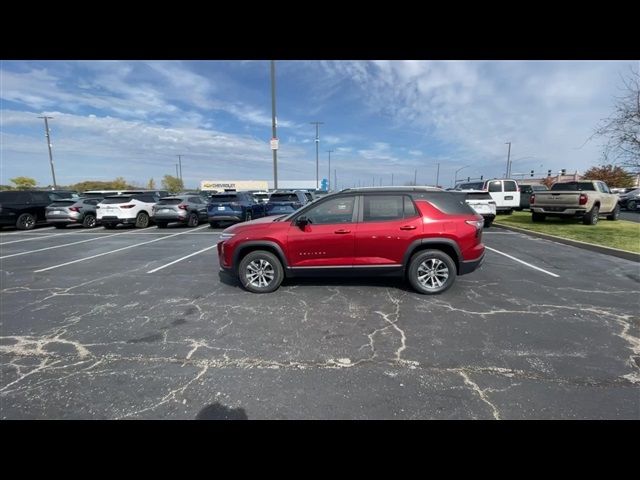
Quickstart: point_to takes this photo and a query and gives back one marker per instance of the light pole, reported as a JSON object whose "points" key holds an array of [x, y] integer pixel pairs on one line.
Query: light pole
{"points": [[508, 160], [438, 175], [329, 179], [317, 124], [46, 130], [180, 167], [455, 180], [273, 124]]}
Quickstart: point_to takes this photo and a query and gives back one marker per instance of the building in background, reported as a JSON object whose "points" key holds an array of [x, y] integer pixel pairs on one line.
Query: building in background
{"points": [[222, 185]]}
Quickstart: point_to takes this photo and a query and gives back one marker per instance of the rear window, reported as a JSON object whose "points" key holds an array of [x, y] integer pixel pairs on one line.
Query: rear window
{"points": [[451, 203], [112, 200], [169, 201], [283, 197], [62, 203], [510, 186], [573, 186], [309, 197], [471, 186], [538, 188], [224, 198], [94, 195], [479, 196], [495, 186]]}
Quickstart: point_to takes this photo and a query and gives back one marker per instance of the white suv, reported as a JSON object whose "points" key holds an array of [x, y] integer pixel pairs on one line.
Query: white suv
{"points": [[126, 209], [504, 191]]}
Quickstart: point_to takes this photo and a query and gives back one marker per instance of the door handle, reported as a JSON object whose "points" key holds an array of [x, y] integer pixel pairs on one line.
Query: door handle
{"points": [[408, 227], [342, 231]]}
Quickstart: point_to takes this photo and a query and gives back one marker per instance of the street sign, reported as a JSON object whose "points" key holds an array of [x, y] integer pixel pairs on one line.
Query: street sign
{"points": [[274, 144]]}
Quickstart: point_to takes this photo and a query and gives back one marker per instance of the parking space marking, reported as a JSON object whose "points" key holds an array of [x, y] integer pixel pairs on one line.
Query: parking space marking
{"points": [[58, 246], [522, 261], [36, 238], [182, 258], [24, 232], [112, 251]]}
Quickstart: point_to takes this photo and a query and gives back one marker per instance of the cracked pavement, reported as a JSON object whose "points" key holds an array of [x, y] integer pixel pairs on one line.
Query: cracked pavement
{"points": [[103, 339]]}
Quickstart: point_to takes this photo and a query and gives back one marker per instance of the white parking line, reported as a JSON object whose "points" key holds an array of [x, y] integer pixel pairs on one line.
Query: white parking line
{"points": [[113, 251], [36, 238], [180, 259], [24, 232], [523, 262]]}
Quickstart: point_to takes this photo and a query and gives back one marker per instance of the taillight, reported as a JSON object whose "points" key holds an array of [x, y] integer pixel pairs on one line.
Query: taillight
{"points": [[532, 199], [182, 207], [476, 223], [583, 199], [74, 209], [127, 206]]}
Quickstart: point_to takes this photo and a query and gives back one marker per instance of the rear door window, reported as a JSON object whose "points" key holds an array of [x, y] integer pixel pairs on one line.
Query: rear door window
{"points": [[510, 186], [409, 208], [382, 208], [495, 186], [309, 197]]}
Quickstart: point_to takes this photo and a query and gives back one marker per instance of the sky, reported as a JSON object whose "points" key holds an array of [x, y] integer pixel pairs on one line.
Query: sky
{"points": [[380, 118]]}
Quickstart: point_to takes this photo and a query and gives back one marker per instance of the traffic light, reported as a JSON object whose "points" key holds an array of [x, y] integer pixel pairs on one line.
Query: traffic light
{"points": [[532, 173], [468, 179], [481, 177], [563, 172], [548, 173]]}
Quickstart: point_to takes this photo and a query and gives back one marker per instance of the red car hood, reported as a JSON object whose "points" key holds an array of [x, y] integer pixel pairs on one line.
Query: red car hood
{"points": [[263, 222]]}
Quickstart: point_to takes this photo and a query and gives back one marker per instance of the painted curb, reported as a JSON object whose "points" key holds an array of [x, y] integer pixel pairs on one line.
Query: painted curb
{"points": [[634, 257]]}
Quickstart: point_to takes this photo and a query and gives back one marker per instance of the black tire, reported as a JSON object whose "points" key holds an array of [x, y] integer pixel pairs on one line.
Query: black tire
{"points": [[427, 262], [59, 225], [631, 205], [591, 217], [26, 221], [142, 220], [615, 214], [213, 224], [89, 221], [509, 212], [162, 224], [488, 223], [260, 261], [109, 226], [538, 217], [194, 220]]}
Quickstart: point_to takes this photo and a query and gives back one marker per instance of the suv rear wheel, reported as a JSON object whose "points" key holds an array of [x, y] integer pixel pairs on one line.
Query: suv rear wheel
{"points": [[615, 214], [591, 217], [142, 220], [260, 272], [538, 217], [26, 221], [431, 271]]}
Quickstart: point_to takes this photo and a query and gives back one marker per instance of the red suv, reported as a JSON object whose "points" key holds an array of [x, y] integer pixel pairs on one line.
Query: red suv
{"points": [[428, 235]]}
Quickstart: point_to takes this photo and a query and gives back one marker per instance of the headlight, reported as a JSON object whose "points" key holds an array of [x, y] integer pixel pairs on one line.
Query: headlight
{"points": [[226, 236]]}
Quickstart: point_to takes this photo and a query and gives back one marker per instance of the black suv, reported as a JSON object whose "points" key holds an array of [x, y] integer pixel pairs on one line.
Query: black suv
{"points": [[25, 208]]}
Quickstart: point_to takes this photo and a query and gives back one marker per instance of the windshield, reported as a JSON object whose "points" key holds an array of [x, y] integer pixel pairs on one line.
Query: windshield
{"points": [[470, 186]]}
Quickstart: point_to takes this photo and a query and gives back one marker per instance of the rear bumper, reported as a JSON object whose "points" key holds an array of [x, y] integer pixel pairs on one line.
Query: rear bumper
{"points": [[470, 265], [567, 212], [114, 219], [225, 218], [169, 218]]}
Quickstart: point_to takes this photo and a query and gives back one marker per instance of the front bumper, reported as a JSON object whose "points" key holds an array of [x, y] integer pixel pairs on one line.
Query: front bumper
{"points": [[470, 265]]}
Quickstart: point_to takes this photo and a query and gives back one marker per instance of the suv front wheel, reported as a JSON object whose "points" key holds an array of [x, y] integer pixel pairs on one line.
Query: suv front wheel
{"points": [[260, 272], [431, 271]]}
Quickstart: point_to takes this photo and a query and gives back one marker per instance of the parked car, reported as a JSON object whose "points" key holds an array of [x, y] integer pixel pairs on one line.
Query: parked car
{"points": [[65, 194], [587, 199], [81, 211], [188, 209], [126, 209], [261, 196], [284, 202], [483, 204], [425, 235], [525, 194], [24, 209], [630, 200], [504, 191], [233, 207], [158, 194]]}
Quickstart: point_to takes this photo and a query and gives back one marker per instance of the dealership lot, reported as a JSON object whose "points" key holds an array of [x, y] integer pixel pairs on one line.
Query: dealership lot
{"points": [[133, 323]]}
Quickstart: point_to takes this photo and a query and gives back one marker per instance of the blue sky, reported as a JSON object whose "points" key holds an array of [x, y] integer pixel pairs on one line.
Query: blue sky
{"points": [[132, 118]]}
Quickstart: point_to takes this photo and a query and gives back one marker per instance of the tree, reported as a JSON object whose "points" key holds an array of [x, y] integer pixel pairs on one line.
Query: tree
{"points": [[172, 184], [119, 184], [548, 181], [23, 183], [613, 176], [622, 129], [151, 185]]}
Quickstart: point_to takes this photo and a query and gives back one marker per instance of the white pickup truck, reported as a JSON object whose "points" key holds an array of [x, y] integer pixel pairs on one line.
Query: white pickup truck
{"points": [[587, 199]]}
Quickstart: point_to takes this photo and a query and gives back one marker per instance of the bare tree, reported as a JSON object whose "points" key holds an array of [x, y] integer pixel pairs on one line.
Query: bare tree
{"points": [[622, 129]]}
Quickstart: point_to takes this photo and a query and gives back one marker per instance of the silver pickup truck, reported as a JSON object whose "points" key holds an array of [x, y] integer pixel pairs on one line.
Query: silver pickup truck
{"points": [[587, 199]]}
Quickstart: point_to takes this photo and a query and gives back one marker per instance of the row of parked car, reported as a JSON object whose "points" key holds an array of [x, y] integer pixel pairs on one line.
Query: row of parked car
{"points": [[25, 209]]}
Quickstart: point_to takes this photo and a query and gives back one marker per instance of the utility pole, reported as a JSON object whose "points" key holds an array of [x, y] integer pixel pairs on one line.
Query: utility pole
{"points": [[438, 175], [317, 124], [180, 163], [274, 124], [46, 130], [329, 179], [508, 160]]}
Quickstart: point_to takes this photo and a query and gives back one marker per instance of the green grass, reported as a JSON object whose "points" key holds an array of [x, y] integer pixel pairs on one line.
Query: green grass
{"points": [[620, 234]]}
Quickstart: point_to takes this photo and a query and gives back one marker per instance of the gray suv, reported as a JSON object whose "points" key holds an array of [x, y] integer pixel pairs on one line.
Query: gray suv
{"points": [[81, 211], [187, 209]]}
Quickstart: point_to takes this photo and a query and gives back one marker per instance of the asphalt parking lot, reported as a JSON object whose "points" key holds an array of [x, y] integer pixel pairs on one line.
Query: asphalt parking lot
{"points": [[137, 324]]}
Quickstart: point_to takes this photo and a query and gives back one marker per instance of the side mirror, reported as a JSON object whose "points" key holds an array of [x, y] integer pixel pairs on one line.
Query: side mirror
{"points": [[302, 221]]}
